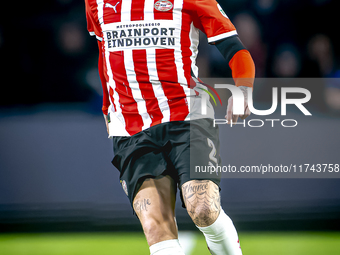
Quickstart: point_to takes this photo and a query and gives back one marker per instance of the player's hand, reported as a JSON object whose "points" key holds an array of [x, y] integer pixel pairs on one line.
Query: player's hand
{"points": [[230, 116], [106, 117]]}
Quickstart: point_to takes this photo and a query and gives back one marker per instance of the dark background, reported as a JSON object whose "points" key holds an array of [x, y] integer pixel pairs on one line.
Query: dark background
{"points": [[47, 55], [55, 170]]}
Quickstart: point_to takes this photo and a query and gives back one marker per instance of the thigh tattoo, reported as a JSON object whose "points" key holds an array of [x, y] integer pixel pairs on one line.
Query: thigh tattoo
{"points": [[141, 205]]}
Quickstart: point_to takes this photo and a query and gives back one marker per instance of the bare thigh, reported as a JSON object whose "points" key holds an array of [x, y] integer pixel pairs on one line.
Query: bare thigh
{"points": [[154, 205]]}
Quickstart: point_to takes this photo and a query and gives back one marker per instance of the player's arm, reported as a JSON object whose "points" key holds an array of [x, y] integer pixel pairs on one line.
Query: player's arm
{"points": [[213, 21], [106, 101], [243, 71], [93, 28]]}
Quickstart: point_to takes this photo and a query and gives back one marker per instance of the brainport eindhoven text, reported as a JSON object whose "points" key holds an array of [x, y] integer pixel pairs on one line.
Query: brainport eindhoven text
{"points": [[147, 36]]}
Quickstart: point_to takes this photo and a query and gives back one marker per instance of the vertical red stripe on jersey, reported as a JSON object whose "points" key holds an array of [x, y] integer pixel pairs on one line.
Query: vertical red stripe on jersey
{"points": [[137, 12], [163, 14], [186, 43], [111, 11], [141, 70], [106, 101], [106, 79], [167, 73], [128, 105]]}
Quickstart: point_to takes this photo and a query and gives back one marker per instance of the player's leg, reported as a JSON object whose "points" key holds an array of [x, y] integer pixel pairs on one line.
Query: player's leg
{"points": [[200, 190], [154, 205], [202, 200]]}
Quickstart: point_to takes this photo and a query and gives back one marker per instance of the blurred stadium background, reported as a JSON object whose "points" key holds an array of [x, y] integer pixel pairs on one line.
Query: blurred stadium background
{"points": [[55, 171]]}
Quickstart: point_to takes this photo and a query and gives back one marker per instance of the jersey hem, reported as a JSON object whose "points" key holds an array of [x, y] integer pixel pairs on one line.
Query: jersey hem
{"points": [[119, 134]]}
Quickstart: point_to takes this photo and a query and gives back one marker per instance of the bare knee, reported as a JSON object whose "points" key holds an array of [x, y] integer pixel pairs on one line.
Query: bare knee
{"points": [[202, 201], [156, 231], [203, 216]]}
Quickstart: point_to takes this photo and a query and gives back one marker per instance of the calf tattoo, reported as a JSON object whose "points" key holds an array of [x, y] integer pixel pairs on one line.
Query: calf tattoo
{"points": [[202, 200], [141, 205]]}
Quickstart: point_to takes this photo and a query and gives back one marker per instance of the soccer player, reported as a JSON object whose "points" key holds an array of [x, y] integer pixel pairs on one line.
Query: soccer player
{"points": [[152, 108]]}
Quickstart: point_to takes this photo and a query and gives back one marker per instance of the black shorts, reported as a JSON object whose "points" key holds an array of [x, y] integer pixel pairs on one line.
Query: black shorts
{"points": [[172, 148]]}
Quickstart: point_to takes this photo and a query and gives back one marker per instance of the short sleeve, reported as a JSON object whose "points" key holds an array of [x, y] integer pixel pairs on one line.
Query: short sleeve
{"points": [[213, 21], [92, 26]]}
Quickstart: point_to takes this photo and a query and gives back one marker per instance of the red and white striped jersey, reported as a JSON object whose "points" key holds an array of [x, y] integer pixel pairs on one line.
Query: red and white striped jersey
{"points": [[149, 50]]}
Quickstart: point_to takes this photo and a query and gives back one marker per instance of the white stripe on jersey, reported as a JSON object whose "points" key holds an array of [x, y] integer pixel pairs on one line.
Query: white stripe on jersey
{"points": [[156, 84], [126, 10], [135, 89], [148, 10], [100, 8], [221, 36], [194, 36]]}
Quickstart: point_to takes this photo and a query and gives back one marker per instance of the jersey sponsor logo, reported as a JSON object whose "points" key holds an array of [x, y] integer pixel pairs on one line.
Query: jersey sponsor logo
{"points": [[139, 35], [221, 11], [111, 6], [163, 5]]}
